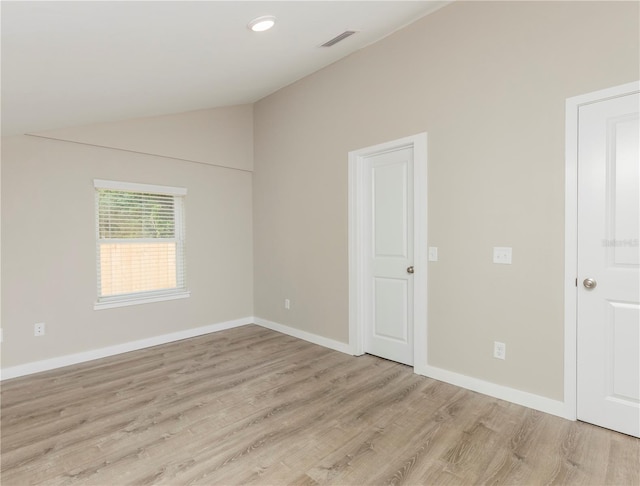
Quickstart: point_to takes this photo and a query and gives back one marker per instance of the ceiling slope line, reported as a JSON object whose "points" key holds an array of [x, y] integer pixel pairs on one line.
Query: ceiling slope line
{"points": [[138, 152]]}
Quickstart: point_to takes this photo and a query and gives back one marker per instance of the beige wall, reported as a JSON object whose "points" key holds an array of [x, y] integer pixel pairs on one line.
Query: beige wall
{"points": [[48, 246], [217, 136], [488, 82]]}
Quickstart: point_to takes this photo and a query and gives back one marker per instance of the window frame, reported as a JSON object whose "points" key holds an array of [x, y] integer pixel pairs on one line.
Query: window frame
{"points": [[144, 297]]}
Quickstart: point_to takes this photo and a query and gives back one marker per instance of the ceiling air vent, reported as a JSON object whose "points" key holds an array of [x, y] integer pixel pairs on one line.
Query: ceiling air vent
{"points": [[338, 38]]}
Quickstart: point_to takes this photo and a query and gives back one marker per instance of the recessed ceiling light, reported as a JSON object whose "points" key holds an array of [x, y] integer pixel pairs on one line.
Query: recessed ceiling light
{"points": [[261, 24]]}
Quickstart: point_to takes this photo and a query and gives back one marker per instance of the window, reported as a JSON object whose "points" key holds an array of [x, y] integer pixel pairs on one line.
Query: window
{"points": [[139, 243]]}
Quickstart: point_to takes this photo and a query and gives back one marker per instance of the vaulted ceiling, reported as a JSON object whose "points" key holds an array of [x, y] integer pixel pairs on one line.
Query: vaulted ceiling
{"points": [[81, 62]]}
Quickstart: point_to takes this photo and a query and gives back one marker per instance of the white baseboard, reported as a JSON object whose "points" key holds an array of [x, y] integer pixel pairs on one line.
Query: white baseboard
{"points": [[526, 399], [530, 400], [536, 402], [71, 359], [304, 335]]}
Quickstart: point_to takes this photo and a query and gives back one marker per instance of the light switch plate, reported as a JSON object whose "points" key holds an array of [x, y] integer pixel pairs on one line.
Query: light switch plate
{"points": [[502, 254], [433, 253]]}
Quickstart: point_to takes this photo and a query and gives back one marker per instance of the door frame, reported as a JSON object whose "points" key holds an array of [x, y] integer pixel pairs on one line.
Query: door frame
{"points": [[358, 229], [571, 236]]}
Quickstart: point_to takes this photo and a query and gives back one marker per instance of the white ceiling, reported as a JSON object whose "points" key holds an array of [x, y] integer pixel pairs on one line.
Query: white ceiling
{"points": [[81, 62]]}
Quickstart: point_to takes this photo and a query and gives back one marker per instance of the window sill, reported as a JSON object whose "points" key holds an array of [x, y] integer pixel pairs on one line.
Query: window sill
{"points": [[135, 300]]}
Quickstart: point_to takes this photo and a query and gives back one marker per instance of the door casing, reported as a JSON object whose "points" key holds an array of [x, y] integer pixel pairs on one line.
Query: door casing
{"points": [[571, 236], [358, 231]]}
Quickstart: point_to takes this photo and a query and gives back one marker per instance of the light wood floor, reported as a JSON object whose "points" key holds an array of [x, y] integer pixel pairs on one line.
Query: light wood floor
{"points": [[252, 406]]}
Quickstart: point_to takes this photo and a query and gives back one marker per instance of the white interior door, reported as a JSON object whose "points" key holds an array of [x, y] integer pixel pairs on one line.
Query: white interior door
{"points": [[389, 261], [608, 329]]}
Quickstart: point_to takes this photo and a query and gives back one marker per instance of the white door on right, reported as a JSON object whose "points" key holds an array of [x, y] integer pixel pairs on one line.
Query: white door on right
{"points": [[608, 346]]}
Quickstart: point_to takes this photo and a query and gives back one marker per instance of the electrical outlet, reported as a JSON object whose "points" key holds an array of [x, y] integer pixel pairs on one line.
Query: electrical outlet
{"points": [[502, 255], [287, 304], [1, 335], [499, 350], [38, 329]]}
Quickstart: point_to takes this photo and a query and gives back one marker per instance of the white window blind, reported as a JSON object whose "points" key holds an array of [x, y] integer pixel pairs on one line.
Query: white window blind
{"points": [[140, 243]]}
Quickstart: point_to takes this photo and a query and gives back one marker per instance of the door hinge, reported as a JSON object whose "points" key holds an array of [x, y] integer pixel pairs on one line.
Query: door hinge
{"points": [[576, 281]]}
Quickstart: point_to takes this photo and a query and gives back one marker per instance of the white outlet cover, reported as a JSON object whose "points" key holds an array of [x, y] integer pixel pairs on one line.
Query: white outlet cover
{"points": [[499, 350], [502, 255], [433, 253], [39, 329]]}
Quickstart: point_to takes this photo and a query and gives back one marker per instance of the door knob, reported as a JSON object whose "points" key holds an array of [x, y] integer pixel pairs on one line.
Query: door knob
{"points": [[410, 269], [589, 283]]}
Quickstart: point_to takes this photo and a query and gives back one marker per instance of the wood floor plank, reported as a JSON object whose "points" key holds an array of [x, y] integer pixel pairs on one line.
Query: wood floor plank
{"points": [[623, 461], [252, 406]]}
